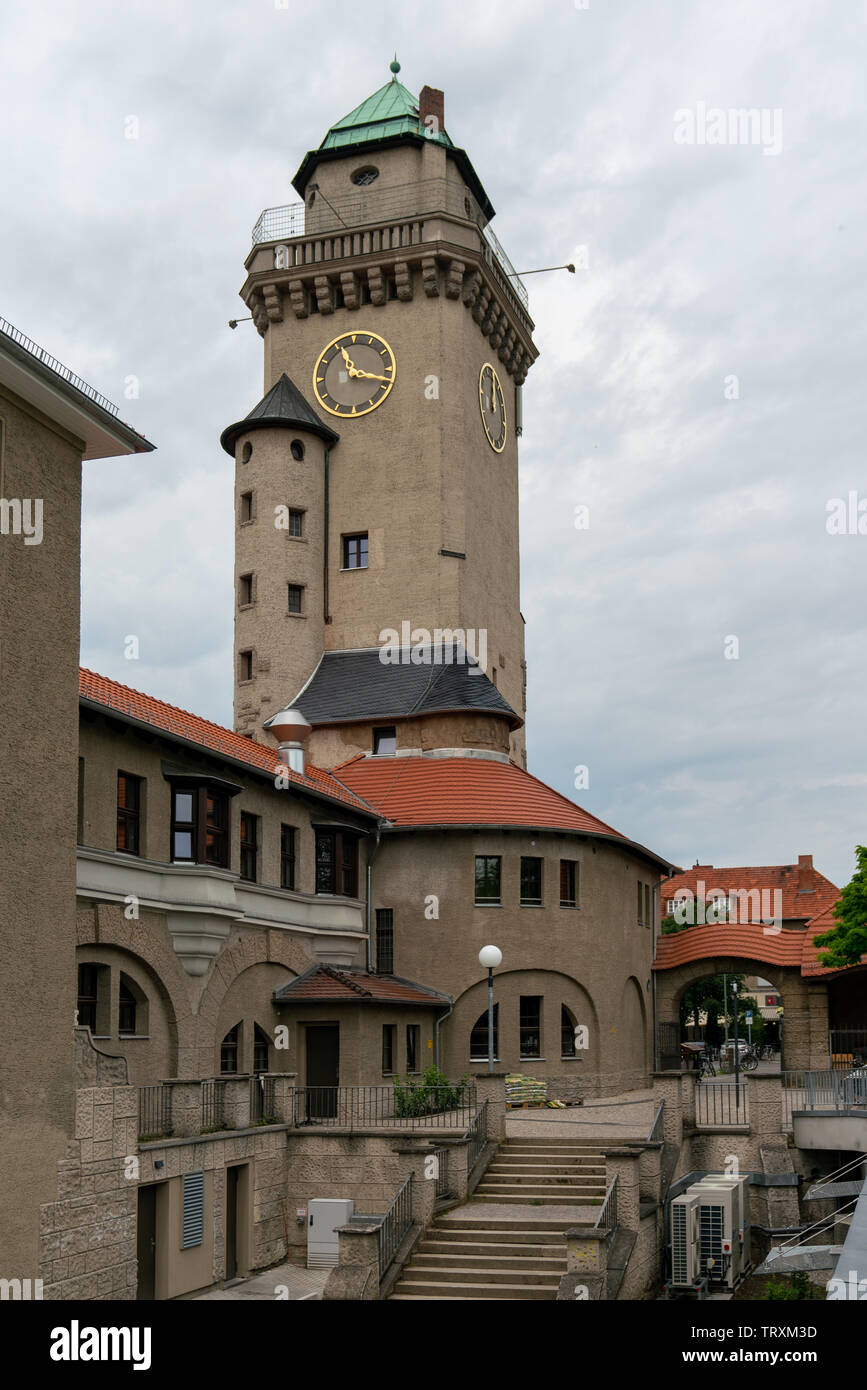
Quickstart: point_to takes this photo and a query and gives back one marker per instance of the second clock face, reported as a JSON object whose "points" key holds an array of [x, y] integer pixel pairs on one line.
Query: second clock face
{"points": [[353, 374], [493, 407]]}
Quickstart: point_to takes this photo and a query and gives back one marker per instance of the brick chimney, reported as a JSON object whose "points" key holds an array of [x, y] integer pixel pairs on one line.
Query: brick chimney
{"points": [[431, 103], [805, 873]]}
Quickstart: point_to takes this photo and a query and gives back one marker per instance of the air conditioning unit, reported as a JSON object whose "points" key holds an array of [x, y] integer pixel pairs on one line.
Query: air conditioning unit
{"points": [[324, 1215], [685, 1248], [724, 1227]]}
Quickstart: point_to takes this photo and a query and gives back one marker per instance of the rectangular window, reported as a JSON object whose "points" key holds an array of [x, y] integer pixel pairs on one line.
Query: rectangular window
{"points": [[388, 1035], [384, 940], [80, 823], [229, 1052], [568, 882], [296, 523], [87, 976], [246, 507], [245, 589], [647, 904], [128, 812], [639, 887], [337, 862], [487, 879], [249, 846], [531, 1025], [567, 1033], [413, 1032], [355, 552], [531, 882], [126, 1010], [385, 742], [200, 826], [245, 665], [287, 856], [296, 597]]}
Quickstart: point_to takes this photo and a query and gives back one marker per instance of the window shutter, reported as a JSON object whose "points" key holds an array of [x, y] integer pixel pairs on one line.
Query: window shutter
{"points": [[194, 1210]]}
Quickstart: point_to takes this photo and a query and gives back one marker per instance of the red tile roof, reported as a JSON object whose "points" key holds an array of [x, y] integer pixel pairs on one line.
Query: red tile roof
{"points": [[747, 940], [805, 892], [202, 733], [463, 791], [328, 984]]}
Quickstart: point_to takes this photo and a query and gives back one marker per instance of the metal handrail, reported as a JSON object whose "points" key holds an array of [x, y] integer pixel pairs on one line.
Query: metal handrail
{"points": [[656, 1129], [721, 1105], [384, 1107], [395, 1225], [57, 367], [477, 1134], [607, 1218]]}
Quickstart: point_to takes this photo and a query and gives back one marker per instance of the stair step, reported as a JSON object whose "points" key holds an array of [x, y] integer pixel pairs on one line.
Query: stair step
{"points": [[522, 1199], [444, 1289], [456, 1274], [533, 1187], [545, 1176], [515, 1228], [456, 1257], [476, 1249]]}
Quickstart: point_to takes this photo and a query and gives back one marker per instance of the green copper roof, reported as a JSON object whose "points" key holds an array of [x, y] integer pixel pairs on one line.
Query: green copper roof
{"points": [[393, 110]]}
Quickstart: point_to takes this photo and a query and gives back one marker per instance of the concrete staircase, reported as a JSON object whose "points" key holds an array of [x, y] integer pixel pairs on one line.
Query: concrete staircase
{"points": [[469, 1254], [560, 1172], [466, 1257]]}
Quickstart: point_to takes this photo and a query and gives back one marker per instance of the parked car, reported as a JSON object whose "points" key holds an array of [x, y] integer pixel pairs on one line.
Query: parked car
{"points": [[729, 1045]]}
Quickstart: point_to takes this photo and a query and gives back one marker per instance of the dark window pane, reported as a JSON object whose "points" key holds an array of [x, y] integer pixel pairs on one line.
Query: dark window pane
{"points": [[531, 882], [325, 862], [126, 1011], [260, 1050], [287, 856], [384, 940], [388, 1032], [530, 1018], [567, 883], [412, 1046], [567, 1033], [385, 741], [249, 827], [295, 595], [487, 878], [229, 1051], [296, 523], [479, 1036]]}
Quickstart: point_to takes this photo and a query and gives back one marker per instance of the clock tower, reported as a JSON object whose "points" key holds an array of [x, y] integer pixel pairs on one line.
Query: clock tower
{"points": [[377, 571]]}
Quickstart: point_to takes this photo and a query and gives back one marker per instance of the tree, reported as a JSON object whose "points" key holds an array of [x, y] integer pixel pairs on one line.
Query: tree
{"points": [[846, 943]]}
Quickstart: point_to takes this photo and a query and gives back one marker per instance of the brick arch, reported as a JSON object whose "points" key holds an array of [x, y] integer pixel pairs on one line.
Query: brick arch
{"points": [[805, 1003], [554, 985], [633, 1024], [105, 925]]}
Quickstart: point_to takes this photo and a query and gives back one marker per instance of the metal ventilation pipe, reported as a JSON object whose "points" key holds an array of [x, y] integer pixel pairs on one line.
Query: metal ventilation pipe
{"points": [[291, 730]]}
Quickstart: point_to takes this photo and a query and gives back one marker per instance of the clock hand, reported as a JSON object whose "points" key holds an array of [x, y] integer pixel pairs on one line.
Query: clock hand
{"points": [[372, 376], [350, 365]]}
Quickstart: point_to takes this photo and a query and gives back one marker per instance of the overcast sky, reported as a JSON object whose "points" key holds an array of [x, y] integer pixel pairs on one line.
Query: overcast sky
{"points": [[700, 385]]}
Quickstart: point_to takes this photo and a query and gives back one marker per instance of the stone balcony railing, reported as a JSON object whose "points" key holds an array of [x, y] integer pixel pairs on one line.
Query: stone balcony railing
{"points": [[181, 1108]]}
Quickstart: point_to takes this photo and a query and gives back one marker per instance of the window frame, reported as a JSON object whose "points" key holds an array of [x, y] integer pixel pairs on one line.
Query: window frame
{"points": [[296, 514], [413, 1031], [341, 862], [361, 541], [199, 826], [570, 866], [293, 589], [525, 1028], [379, 732], [389, 1037], [482, 1023], [385, 940], [129, 816], [489, 901], [248, 821], [540, 899], [288, 858]]}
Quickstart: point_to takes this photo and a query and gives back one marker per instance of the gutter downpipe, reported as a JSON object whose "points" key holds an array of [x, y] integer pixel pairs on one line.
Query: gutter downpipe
{"points": [[437, 1021]]}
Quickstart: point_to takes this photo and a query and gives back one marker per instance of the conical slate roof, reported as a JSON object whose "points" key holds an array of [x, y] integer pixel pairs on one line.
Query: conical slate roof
{"points": [[285, 406]]}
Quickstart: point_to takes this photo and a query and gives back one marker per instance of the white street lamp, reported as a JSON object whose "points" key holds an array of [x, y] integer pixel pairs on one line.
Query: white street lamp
{"points": [[490, 957]]}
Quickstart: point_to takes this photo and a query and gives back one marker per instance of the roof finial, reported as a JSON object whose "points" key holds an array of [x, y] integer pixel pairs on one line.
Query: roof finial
{"points": [[394, 67]]}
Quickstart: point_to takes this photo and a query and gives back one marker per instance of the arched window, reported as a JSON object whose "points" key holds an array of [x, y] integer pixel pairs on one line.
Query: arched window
{"points": [[261, 1044], [479, 1036], [229, 1050], [567, 1032], [130, 1008]]}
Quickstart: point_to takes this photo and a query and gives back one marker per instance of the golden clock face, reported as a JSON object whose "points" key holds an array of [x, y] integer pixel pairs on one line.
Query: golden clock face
{"points": [[353, 374], [493, 407]]}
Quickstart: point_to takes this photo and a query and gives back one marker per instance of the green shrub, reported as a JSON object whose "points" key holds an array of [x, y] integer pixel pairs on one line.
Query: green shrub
{"points": [[428, 1094]]}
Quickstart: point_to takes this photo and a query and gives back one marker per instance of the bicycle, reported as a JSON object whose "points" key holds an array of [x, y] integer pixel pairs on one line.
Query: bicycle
{"points": [[707, 1067]]}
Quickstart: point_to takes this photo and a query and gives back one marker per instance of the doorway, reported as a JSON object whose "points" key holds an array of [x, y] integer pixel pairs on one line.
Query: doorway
{"points": [[231, 1223], [237, 1220], [146, 1242], [323, 1069]]}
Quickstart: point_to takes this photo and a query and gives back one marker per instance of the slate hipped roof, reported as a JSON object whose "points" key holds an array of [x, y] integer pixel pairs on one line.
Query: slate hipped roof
{"points": [[330, 984], [358, 685], [283, 406]]}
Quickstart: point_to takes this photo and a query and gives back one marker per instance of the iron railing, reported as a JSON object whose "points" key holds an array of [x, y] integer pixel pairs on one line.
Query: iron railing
{"points": [[57, 367], [607, 1218], [384, 1107], [213, 1107], [477, 1134], [395, 1225], [410, 202], [261, 1098], [658, 1127], [443, 1187], [721, 1105], [154, 1110], [822, 1090]]}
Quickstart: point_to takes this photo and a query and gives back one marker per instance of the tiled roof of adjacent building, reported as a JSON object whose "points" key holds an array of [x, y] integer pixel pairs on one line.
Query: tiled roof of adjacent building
{"points": [[463, 791], [283, 407], [358, 685], [201, 733], [805, 892], [330, 984]]}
